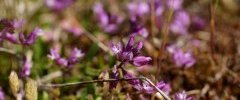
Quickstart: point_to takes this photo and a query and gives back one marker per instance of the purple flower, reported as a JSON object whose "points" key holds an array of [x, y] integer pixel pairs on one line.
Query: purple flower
{"points": [[138, 29], [174, 4], [182, 96], [75, 55], [180, 58], [130, 53], [30, 38], [11, 37], [18, 23], [159, 7], [53, 54], [138, 8], [198, 23], [58, 5], [108, 22], [27, 65], [130, 75], [180, 23], [141, 60], [2, 94], [72, 59], [165, 87]]}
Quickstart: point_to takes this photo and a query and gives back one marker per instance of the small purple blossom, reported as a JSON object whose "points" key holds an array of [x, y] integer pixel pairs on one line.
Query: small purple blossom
{"points": [[175, 4], [2, 94], [180, 58], [58, 5], [147, 88], [182, 96], [75, 55], [130, 53], [198, 23], [30, 38], [11, 37], [72, 59], [165, 87], [138, 8], [138, 29], [180, 23], [108, 22]]}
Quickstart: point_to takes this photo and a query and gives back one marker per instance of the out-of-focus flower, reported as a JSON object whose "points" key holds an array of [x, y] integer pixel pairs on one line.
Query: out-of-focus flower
{"points": [[108, 22], [147, 88], [70, 24], [165, 87], [58, 5], [18, 23], [130, 53], [26, 70], [159, 7], [182, 96], [198, 23], [2, 94], [138, 29], [30, 38], [75, 55], [72, 59], [138, 8], [11, 38], [174, 4], [180, 23], [27, 65], [180, 58], [130, 75]]}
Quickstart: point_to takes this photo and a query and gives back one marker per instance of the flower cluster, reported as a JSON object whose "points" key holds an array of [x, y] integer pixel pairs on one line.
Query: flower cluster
{"points": [[7, 33], [58, 5], [108, 22], [180, 58], [70, 61], [130, 53]]}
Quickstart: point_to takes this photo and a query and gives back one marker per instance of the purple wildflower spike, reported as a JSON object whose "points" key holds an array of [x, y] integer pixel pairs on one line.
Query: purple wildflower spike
{"points": [[30, 38], [130, 53], [182, 96], [58, 5]]}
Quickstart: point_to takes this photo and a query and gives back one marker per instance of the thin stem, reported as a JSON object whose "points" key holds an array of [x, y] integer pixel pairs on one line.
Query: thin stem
{"points": [[7, 51], [109, 80], [94, 39]]}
